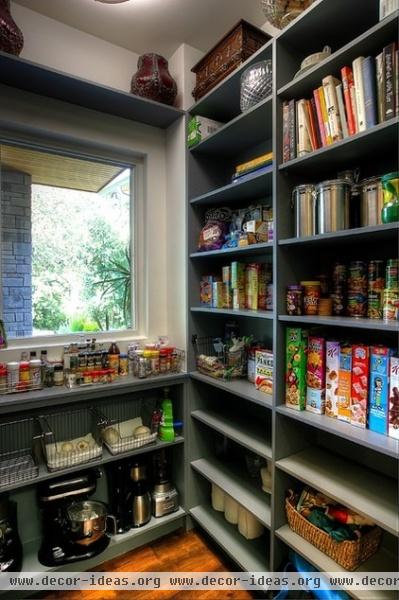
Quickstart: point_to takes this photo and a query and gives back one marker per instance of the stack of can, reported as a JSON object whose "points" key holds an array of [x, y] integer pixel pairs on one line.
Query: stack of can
{"points": [[357, 289], [376, 285], [390, 309], [340, 278]]}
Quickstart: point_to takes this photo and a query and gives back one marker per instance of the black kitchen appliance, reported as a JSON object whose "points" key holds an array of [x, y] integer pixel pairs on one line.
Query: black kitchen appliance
{"points": [[130, 498], [165, 498], [10, 544], [74, 527], [140, 498]]}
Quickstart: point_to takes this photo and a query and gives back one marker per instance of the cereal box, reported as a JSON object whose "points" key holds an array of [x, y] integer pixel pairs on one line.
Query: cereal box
{"points": [[226, 275], [345, 384], [333, 350], [315, 375], [227, 296], [379, 388], [264, 371], [296, 350], [206, 289], [360, 385], [393, 421], [251, 286], [238, 285]]}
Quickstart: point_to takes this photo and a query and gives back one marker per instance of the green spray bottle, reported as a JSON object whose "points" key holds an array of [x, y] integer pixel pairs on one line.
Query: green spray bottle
{"points": [[166, 431]]}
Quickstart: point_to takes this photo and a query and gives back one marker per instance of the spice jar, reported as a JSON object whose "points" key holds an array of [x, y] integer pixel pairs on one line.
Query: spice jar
{"points": [[123, 364], [294, 300], [24, 376], [35, 370], [3, 380], [58, 374], [12, 376], [87, 377], [311, 297]]}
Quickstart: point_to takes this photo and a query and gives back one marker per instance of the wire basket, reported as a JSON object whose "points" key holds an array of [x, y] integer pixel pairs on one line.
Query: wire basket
{"points": [[219, 360], [70, 438], [281, 12], [256, 84], [20, 386], [18, 460], [119, 421]]}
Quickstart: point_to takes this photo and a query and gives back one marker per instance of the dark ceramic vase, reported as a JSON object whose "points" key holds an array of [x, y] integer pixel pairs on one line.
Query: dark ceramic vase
{"points": [[153, 79], [11, 38]]}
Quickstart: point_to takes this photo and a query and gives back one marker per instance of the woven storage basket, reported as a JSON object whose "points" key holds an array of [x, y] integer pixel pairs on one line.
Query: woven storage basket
{"points": [[348, 554]]}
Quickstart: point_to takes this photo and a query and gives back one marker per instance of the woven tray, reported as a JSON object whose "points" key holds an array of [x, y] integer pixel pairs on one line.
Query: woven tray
{"points": [[348, 554]]}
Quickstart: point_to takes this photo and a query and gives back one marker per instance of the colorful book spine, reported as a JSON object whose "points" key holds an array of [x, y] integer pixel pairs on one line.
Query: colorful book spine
{"points": [[347, 85], [389, 75], [379, 68], [397, 81], [341, 108], [304, 145], [314, 122], [354, 104], [322, 132], [329, 85], [248, 176], [255, 162], [357, 66], [370, 92], [324, 113], [286, 131], [292, 129]]}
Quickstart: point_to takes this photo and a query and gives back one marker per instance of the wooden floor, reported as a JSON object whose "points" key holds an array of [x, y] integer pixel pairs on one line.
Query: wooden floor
{"points": [[177, 552]]}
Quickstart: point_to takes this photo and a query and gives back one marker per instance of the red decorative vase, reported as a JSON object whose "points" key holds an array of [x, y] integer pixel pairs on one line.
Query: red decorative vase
{"points": [[11, 38], [153, 79]]}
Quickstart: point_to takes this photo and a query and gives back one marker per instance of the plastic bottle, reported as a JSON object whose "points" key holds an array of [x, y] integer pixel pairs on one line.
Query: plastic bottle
{"points": [[113, 357], [166, 430]]}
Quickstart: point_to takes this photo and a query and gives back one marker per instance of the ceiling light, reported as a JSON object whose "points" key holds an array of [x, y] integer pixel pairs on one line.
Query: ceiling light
{"points": [[112, 1]]}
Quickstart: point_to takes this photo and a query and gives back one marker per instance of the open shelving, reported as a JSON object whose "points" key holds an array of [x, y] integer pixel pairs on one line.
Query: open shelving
{"points": [[374, 233], [352, 322], [254, 314], [254, 186], [251, 250], [237, 387]]}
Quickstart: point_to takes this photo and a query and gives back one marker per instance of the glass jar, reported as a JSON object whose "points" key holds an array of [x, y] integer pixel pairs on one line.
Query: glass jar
{"points": [[58, 374], [311, 297], [155, 362], [163, 360], [88, 377]]}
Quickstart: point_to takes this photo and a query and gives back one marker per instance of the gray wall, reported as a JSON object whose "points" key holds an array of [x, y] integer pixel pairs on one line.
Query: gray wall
{"points": [[16, 252]]}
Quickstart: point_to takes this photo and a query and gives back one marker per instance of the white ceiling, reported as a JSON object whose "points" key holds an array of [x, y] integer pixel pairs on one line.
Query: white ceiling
{"points": [[152, 25]]}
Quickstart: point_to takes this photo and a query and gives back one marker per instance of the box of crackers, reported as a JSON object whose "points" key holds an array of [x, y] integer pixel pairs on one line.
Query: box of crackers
{"points": [[264, 371]]}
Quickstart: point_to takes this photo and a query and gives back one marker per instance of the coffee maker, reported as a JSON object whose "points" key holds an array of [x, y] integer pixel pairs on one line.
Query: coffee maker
{"points": [[130, 499], [140, 496], [74, 527], [10, 544]]}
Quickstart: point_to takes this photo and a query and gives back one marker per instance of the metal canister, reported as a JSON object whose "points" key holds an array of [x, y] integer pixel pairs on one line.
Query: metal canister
{"points": [[332, 205], [355, 219], [371, 201], [392, 274], [303, 203], [390, 308], [357, 289]]}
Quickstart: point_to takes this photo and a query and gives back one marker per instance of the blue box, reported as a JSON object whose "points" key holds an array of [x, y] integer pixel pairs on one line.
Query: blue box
{"points": [[379, 388]]}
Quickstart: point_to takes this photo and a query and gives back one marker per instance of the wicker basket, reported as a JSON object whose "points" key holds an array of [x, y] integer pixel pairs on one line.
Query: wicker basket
{"points": [[348, 554]]}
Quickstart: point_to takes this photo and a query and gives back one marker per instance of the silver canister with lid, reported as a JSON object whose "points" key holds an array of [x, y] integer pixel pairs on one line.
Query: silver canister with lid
{"points": [[303, 203], [332, 205], [371, 201]]}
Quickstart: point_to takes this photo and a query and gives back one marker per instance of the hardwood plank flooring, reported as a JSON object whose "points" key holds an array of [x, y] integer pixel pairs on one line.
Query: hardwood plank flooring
{"points": [[179, 551]]}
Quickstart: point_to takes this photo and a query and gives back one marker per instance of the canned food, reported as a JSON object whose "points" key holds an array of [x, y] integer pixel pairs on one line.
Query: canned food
{"points": [[357, 305], [390, 309], [376, 280], [374, 304], [340, 274], [294, 300], [311, 297], [392, 274], [357, 283], [338, 298]]}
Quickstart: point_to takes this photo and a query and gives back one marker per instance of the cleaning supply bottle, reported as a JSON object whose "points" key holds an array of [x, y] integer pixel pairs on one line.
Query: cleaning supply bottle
{"points": [[166, 431]]}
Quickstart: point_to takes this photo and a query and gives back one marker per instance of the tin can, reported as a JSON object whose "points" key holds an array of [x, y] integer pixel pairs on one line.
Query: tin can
{"points": [[294, 300], [339, 304], [142, 367], [357, 305], [392, 274], [340, 274], [374, 304], [390, 308], [376, 280], [357, 282]]}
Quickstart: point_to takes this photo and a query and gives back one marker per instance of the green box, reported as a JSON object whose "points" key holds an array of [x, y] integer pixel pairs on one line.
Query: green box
{"points": [[200, 128], [296, 357]]}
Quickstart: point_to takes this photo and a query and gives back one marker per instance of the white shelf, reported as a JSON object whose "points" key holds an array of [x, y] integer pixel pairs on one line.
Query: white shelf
{"points": [[238, 485], [245, 432], [380, 562], [357, 487], [251, 555], [238, 387], [254, 314]]}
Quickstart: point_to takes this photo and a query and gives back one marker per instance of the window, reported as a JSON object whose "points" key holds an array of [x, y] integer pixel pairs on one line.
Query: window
{"points": [[67, 244]]}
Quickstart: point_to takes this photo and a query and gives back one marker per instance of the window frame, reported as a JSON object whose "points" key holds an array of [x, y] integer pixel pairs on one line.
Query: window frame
{"points": [[111, 156]]}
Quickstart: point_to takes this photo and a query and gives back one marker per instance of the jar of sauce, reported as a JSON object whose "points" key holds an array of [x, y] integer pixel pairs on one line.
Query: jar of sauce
{"points": [[311, 297]]}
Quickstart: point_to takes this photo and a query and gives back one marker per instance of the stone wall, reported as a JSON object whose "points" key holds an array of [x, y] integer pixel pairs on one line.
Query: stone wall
{"points": [[16, 252]]}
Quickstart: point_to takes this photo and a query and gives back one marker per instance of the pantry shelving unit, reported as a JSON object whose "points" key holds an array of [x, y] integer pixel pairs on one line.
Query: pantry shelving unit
{"points": [[355, 466]]}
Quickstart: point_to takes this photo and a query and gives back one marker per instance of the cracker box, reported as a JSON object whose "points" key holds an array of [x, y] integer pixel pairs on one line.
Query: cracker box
{"points": [[200, 128], [360, 385], [206, 290], [264, 371], [333, 350], [315, 375], [227, 299], [251, 286], [379, 388], [217, 295], [237, 275], [345, 384], [296, 351], [393, 420]]}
